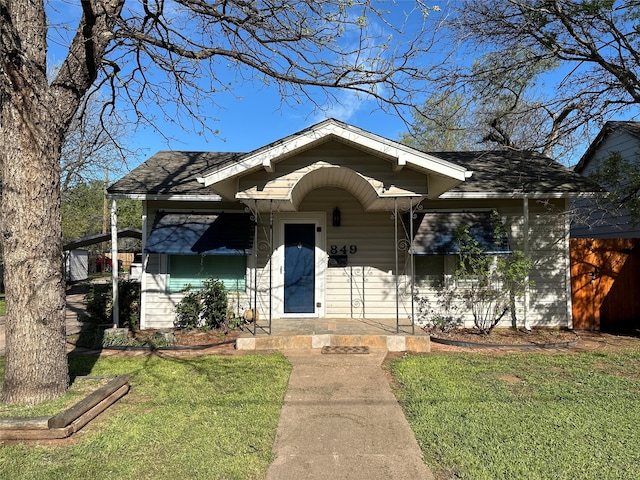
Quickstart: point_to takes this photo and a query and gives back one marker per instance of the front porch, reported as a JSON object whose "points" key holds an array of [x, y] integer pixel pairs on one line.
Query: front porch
{"points": [[307, 333]]}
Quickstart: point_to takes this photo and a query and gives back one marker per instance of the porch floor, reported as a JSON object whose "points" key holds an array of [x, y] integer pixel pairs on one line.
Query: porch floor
{"points": [[306, 333]]}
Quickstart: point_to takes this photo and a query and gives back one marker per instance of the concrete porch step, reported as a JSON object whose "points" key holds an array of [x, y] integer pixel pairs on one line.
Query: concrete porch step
{"points": [[391, 343]]}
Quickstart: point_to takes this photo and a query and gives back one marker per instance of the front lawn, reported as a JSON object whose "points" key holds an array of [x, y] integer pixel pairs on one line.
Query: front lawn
{"points": [[524, 416], [206, 417]]}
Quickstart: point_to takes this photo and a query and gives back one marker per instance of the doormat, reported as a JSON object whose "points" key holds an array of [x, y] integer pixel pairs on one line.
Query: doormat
{"points": [[353, 350]]}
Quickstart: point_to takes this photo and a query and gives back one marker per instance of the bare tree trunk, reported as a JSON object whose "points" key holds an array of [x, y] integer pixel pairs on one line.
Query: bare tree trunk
{"points": [[31, 230], [35, 114]]}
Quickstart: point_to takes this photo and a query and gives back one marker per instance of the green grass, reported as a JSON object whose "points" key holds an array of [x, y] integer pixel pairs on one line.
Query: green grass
{"points": [[525, 416], [80, 388], [2, 306], [205, 417]]}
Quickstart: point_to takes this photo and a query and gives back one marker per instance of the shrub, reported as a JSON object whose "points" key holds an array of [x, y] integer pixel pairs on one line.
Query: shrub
{"points": [[214, 304], [99, 303], [206, 308], [487, 285], [99, 300], [188, 310], [446, 314]]}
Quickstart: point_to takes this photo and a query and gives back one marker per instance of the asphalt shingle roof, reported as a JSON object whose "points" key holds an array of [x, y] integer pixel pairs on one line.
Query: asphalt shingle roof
{"points": [[509, 172], [497, 172], [172, 173]]}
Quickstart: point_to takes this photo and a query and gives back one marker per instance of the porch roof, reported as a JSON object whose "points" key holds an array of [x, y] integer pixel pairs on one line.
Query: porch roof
{"points": [[445, 174]]}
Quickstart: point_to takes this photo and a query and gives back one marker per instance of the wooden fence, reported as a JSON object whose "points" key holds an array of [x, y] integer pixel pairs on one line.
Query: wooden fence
{"points": [[605, 281]]}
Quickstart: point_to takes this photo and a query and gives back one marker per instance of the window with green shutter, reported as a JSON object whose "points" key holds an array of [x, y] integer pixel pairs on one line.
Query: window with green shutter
{"points": [[193, 270]]}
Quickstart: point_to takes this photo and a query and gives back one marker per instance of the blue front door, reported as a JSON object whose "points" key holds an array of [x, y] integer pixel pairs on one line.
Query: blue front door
{"points": [[299, 267]]}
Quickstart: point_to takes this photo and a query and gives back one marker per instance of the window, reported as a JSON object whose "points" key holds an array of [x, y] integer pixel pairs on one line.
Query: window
{"points": [[194, 269], [435, 271], [429, 270]]}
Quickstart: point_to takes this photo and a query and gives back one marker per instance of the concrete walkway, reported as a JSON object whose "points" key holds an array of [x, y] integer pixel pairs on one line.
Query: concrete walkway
{"points": [[340, 420]]}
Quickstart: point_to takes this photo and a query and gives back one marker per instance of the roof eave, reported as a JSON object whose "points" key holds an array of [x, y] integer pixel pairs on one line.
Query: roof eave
{"points": [[155, 196], [514, 195], [607, 129]]}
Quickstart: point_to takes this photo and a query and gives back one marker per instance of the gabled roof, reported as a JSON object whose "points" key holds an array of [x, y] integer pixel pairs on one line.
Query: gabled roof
{"points": [[496, 174], [398, 154], [633, 128], [101, 237], [512, 174]]}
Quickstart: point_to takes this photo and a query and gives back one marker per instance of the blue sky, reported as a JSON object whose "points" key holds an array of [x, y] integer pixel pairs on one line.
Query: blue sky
{"points": [[253, 114], [258, 117]]}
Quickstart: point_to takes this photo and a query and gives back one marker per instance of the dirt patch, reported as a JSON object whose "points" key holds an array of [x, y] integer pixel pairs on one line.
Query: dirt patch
{"points": [[607, 342], [162, 342], [512, 379]]}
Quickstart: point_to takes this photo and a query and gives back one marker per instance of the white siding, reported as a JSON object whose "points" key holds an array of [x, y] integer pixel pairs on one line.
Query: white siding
{"points": [[599, 223], [549, 250], [366, 287], [548, 235], [288, 171]]}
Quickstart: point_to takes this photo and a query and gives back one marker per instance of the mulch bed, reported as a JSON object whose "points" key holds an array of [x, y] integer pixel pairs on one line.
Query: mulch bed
{"points": [[212, 337], [515, 339], [505, 336]]}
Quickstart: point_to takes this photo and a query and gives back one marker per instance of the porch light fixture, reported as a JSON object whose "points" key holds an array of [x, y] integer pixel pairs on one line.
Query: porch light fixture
{"points": [[336, 217]]}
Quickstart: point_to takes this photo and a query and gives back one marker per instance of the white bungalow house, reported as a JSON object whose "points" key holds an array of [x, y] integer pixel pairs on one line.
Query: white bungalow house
{"points": [[336, 222]]}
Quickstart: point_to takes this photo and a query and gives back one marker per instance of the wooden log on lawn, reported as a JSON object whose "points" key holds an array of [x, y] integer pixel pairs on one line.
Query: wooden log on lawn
{"points": [[99, 408], [48, 434], [76, 411], [24, 423]]}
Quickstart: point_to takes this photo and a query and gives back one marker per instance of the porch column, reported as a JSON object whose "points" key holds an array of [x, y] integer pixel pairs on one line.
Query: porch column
{"points": [[255, 268], [567, 246], [412, 265], [143, 278], [270, 263], [114, 263], [525, 227], [395, 249]]}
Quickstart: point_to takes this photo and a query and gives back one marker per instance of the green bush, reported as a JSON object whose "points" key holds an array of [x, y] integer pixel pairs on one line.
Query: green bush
{"points": [[206, 308], [99, 300], [188, 310]]}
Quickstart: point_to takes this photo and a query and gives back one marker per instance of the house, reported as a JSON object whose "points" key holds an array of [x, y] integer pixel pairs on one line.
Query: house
{"points": [[605, 221], [336, 222], [605, 244]]}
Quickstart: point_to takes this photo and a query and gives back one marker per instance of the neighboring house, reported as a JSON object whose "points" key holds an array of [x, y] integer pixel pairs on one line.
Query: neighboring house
{"points": [[605, 245], [600, 220], [336, 222]]}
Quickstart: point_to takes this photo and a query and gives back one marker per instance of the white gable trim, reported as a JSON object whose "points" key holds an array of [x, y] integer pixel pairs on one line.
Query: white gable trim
{"points": [[400, 155]]}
